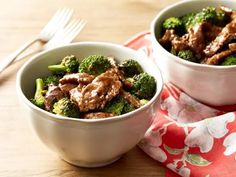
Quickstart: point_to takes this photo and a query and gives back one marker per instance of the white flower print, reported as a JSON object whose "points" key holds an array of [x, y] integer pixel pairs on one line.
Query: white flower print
{"points": [[182, 171], [186, 109], [205, 131], [230, 144], [150, 144]]}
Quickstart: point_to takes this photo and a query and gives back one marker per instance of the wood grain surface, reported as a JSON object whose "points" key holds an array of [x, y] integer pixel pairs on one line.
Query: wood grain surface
{"points": [[21, 153]]}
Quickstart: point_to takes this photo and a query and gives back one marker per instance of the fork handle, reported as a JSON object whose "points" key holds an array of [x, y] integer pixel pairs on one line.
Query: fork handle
{"points": [[9, 59]]}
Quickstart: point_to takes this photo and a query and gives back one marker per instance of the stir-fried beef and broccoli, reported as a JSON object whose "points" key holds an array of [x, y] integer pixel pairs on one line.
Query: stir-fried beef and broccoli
{"points": [[96, 87], [207, 37]]}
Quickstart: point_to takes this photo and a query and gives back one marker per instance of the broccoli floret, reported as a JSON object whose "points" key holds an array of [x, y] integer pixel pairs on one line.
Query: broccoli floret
{"points": [[115, 106], [65, 107], [231, 60], [172, 23], [51, 80], [69, 64], [188, 20], [127, 108], [144, 86], [207, 14], [39, 99], [187, 55], [94, 65], [130, 68]]}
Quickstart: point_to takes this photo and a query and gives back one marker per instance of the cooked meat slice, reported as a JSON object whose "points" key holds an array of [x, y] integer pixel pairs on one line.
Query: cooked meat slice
{"points": [[53, 94], [77, 78], [167, 37], [75, 94], [226, 10], [71, 81], [196, 39], [96, 94], [67, 87], [97, 115], [212, 31], [217, 58], [229, 11], [120, 74], [177, 43], [232, 46], [227, 34], [85, 78], [131, 99], [233, 15], [180, 43]]}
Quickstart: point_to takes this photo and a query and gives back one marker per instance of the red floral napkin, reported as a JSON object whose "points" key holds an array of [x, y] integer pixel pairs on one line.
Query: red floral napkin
{"points": [[188, 137]]}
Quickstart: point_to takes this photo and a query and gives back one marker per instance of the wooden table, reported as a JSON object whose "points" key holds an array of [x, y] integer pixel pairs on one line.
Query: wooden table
{"points": [[21, 153]]}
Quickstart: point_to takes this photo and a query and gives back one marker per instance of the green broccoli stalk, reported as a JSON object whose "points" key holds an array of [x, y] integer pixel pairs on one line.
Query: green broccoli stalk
{"points": [[187, 55], [115, 106], [172, 23], [144, 86], [65, 107], [39, 99], [231, 60], [94, 65], [130, 68], [51, 80], [69, 64]]}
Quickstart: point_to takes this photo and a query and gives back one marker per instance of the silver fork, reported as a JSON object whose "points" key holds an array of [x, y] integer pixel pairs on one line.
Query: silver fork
{"points": [[58, 21], [65, 35], [62, 37]]}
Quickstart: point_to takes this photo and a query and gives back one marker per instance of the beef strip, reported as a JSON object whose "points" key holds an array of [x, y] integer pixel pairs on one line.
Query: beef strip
{"points": [[77, 78], [167, 37], [196, 40], [71, 81], [229, 11], [232, 46], [176, 42], [67, 87], [96, 94], [126, 83], [53, 94], [180, 43], [75, 94], [227, 34], [131, 99], [97, 115], [226, 10], [219, 57], [212, 31]]}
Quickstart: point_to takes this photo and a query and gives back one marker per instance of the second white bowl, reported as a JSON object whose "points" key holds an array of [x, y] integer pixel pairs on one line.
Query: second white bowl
{"points": [[213, 85]]}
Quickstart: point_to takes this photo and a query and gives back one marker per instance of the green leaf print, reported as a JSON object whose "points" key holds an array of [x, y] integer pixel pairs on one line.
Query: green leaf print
{"points": [[197, 160], [173, 151]]}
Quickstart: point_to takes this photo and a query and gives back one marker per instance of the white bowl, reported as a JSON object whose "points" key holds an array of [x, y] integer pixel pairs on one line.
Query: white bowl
{"points": [[84, 142], [213, 85]]}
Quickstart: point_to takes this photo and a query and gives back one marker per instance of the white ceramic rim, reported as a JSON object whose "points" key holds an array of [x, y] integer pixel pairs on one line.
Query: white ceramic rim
{"points": [[185, 62], [114, 118]]}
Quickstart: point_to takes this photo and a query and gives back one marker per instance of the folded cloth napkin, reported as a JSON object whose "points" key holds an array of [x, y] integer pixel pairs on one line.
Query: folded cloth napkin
{"points": [[189, 138]]}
